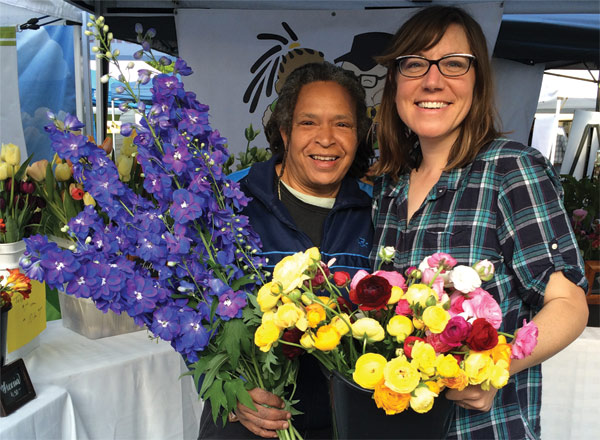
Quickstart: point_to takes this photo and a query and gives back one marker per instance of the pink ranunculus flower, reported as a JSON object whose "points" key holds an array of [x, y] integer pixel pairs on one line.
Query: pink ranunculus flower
{"points": [[483, 305], [441, 258], [403, 308], [438, 284], [394, 278], [456, 303], [359, 275], [456, 331], [435, 340], [525, 340]]}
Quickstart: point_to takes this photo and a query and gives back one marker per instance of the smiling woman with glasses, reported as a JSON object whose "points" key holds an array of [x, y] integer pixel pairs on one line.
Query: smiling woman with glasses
{"points": [[452, 65], [449, 182]]}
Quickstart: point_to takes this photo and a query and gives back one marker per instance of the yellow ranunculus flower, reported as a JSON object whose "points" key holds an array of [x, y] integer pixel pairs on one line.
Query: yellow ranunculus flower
{"points": [[62, 172], [368, 370], [400, 375], [478, 367], [422, 399], [447, 366], [397, 294], [315, 313], [341, 323], [314, 254], [88, 199], [11, 154], [266, 335], [290, 271], [419, 294], [288, 315], [37, 170], [424, 357], [436, 318], [327, 338], [327, 300], [369, 328], [390, 401], [268, 316], [400, 326], [266, 298], [307, 340], [498, 375], [501, 351], [4, 171], [418, 323]]}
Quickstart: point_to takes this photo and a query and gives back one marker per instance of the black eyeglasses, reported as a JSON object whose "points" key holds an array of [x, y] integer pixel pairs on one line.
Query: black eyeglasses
{"points": [[451, 66]]}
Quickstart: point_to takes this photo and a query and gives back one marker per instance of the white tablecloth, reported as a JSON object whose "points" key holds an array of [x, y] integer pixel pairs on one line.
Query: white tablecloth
{"points": [[121, 387], [571, 390]]}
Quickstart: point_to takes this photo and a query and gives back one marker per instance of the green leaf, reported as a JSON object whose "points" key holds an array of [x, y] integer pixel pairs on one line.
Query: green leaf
{"points": [[212, 368], [72, 207], [235, 338], [237, 284], [12, 230], [22, 169], [50, 182], [215, 395]]}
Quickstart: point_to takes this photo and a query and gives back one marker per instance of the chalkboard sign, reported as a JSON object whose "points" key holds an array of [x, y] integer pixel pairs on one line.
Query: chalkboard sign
{"points": [[16, 388]]}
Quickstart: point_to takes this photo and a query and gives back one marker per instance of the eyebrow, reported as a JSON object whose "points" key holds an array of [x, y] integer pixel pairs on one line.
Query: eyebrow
{"points": [[340, 116]]}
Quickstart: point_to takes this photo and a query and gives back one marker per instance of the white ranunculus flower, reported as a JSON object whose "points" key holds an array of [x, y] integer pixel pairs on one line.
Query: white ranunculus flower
{"points": [[464, 279]]}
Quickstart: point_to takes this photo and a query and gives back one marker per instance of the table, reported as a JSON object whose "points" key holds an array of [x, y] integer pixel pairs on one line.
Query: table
{"points": [[121, 387], [571, 390]]}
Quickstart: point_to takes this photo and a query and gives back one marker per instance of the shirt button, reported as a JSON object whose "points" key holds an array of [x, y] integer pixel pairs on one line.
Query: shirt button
{"points": [[554, 246]]}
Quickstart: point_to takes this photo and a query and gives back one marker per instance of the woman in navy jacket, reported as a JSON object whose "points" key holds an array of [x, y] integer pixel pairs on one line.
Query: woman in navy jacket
{"points": [[308, 195]]}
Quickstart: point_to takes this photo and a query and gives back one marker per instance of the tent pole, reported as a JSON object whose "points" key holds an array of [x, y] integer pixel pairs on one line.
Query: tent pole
{"points": [[78, 72]]}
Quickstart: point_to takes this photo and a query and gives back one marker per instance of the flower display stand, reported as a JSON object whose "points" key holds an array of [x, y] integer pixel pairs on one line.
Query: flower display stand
{"points": [[82, 316], [357, 417], [10, 253]]}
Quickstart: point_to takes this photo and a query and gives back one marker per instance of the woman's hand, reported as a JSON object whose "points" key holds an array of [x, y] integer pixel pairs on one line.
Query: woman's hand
{"points": [[268, 419], [473, 397]]}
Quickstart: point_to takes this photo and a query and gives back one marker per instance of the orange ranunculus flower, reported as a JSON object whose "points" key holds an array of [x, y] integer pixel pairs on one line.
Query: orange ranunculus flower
{"points": [[327, 338], [501, 351], [458, 382], [390, 401], [327, 300], [315, 313]]}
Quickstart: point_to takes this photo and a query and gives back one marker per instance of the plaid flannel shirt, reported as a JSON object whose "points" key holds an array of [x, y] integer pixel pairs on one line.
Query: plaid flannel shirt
{"points": [[506, 206]]}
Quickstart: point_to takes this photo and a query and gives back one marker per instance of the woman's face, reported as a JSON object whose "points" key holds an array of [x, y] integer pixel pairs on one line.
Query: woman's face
{"points": [[434, 106], [323, 139]]}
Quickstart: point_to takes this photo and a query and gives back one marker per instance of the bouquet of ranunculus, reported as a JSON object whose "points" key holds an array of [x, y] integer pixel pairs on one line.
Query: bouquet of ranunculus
{"points": [[12, 281], [405, 338], [177, 256]]}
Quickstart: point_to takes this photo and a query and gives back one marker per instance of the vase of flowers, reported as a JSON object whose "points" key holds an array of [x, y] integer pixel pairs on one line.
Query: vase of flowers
{"points": [[12, 282], [356, 417]]}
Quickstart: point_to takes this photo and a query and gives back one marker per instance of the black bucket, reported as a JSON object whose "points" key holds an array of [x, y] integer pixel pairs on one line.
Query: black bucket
{"points": [[356, 416]]}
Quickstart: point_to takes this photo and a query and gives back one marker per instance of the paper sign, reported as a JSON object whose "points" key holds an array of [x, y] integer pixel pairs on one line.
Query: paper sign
{"points": [[27, 318]]}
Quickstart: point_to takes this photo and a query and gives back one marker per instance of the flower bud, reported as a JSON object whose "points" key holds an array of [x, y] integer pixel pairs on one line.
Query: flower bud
{"points": [[485, 270], [109, 36], [88, 200], [104, 79], [130, 65], [62, 172], [116, 53], [109, 55], [386, 253], [88, 33], [95, 49], [105, 28]]}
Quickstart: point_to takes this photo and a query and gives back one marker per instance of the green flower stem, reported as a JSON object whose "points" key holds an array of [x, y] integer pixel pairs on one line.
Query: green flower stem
{"points": [[508, 335]]}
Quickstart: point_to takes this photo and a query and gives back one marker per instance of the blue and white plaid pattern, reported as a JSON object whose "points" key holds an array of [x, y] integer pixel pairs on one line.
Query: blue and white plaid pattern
{"points": [[505, 207]]}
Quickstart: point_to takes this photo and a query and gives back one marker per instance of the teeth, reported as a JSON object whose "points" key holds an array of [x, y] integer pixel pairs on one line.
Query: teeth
{"points": [[428, 104], [326, 158]]}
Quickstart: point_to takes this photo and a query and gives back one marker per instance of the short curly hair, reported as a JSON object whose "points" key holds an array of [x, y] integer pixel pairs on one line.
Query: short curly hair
{"points": [[281, 118]]}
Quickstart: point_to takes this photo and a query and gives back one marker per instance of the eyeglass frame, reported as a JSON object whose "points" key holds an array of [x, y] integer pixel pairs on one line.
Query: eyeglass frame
{"points": [[469, 56]]}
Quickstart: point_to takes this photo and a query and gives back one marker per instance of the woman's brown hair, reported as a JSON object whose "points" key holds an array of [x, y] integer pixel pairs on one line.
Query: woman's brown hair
{"points": [[398, 145]]}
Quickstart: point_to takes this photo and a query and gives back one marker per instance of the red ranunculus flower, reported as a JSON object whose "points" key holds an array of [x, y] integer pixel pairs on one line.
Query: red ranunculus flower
{"points": [[341, 278], [483, 336], [408, 344], [371, 293], [290, 351]]}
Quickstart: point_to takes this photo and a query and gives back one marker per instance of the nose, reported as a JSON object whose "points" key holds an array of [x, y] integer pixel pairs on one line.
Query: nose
{"points": [[324, 136], [433, 80]]}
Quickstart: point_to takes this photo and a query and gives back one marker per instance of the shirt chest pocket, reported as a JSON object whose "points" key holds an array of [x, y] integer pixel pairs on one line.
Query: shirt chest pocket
{"points": [[445, 240]]}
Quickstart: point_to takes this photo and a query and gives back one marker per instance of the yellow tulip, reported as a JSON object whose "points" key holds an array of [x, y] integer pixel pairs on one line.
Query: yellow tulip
{"points": [[62, 172], [4, 171], [37, 170], [124, 165], [11, 154]]}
